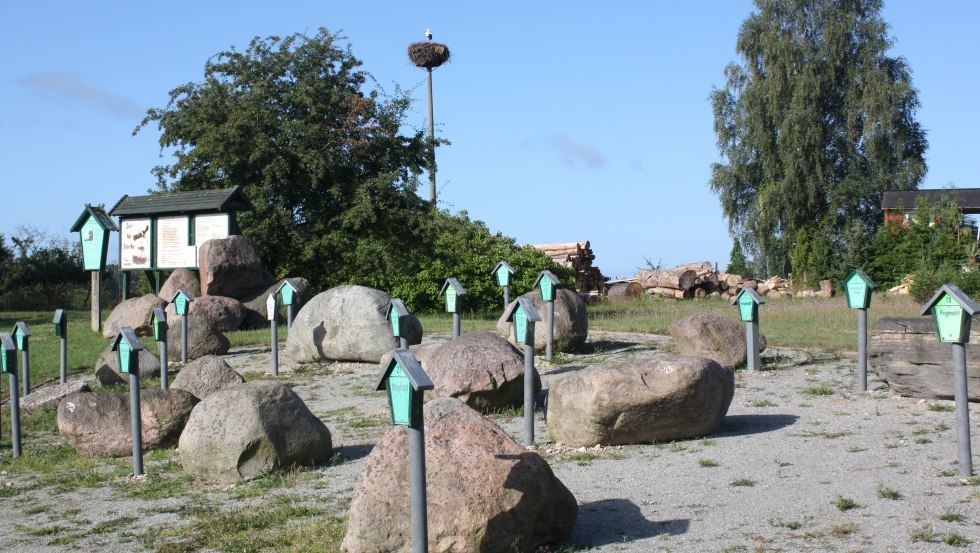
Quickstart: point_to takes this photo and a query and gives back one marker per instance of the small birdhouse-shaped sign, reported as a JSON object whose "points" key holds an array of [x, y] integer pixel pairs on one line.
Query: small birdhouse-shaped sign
{"points": [[127, 345], [453, 291], [397, 315], [93, 226], [182, 301], [748, 302], [271, 307], [858, 287], [289, 292], [952, 312], [60, 323], [159, 324], [504, 273], [405, 382], [20, 335], [548, 283], [523, 315], [8, 354]]}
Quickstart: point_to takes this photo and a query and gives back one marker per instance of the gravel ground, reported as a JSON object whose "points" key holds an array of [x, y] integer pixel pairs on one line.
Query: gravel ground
{"points": [[801, 463]]}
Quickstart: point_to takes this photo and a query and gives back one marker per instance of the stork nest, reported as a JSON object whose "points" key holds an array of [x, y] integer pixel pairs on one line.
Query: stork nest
{"points": [[428, 54]]}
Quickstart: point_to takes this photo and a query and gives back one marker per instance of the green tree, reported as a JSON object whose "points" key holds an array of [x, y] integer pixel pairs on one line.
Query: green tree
{"points": [[737, 265], [814, 124], [321, 157]]}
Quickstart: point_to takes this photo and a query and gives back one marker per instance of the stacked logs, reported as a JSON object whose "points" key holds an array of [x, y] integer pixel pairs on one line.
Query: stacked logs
{"points": [[578, 256], [701, 280]]}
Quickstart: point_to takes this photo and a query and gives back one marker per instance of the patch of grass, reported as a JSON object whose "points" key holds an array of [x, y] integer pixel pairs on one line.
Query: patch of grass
{"points": [[956, 540], [946, 473], [841, 531], [855, 449], [707, 442], [822, 389], [791, 524], [742, 482], [582, 458], [884, 492], [762, 403], [707, 463], [845, 503], [942, 427], [924, 533], [940, 407], [922, 440], [952, 516]]}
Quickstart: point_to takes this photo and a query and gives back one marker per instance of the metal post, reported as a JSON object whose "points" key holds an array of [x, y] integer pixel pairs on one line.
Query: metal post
{"points": [[963, 453], [506, 296], [432, 146], [752, 345], [456, 325], [26, 360], [551, 331], [97, 301], [183, 338], [134, 417], [289, 316], [402, 342], [529, 387], [14, 414], [164, 364], [416, 479], [63, 373], [275, 346], [862, 383]]}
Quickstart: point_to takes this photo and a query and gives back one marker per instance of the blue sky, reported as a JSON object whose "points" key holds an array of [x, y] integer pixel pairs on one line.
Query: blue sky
{"points": [[568, 120]]}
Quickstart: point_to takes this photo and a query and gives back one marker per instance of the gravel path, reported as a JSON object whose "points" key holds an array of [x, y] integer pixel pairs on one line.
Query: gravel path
{"points": [[802, 463]]}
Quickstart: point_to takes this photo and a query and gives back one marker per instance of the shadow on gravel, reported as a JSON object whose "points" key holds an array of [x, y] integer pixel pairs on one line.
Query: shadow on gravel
{"points": [[741, 425], [353, 452], [618, 521]]}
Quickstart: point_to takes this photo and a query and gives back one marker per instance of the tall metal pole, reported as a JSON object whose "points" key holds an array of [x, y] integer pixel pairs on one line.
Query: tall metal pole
{"points": [[275, 346], [457, 328], [529, 387], [416, 482], [432, 145], [26, 361], [63, 372], [862, 350], [134, 417], [164, 363], [14, 414], [752, 360], [551, 331], [506, 296], [96, 302], [963, 453], [183, 339]]}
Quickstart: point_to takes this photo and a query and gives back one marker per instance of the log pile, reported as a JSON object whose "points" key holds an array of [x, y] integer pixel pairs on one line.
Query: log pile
{"points": [[903, 289], [701, 280], [578, 256]]}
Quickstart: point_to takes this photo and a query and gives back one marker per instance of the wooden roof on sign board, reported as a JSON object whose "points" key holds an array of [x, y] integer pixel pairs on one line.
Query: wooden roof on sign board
{"points": [[196, 201], [968, 199]]}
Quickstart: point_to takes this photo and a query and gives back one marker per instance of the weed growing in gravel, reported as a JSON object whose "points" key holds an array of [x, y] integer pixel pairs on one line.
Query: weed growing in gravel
{"points": [[707, 463], [843, 530], [822, 389], [743, 482], [940, 407], [855, 449], [922, 441], [947, 472], [845, 503], [885, 492], [924, 533], [952, 516], [792, 524], [956, 540], [942, 427], [707, 442], [762, 403], [582, 458]]}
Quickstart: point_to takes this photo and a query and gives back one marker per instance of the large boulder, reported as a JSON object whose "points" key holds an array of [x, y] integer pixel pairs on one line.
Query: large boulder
{"points": [[107, 367], [221, 313], [99, 424], [571, 325], [482, 369], [205, 376], [905, 353], [485, 491], [346, 323], [714, 337], [246, 431], [136, 313], [202, 339], [180, 279], [256, 312], [231, 267], [639, 400]]}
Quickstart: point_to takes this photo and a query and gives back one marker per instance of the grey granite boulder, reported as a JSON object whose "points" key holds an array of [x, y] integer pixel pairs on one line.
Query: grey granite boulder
{"points": [[107, 367], [714, 337], [202, 339], [571, 324], [136, 313], [205, 376], [639, 400], [231, 267]]}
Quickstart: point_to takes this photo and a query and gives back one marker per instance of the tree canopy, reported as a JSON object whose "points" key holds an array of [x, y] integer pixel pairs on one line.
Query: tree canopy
{"points": [[814, 124], [327, 168]]}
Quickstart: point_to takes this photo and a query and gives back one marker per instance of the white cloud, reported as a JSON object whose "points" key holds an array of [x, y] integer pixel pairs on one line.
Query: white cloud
{"points": [[72, 87], [573, 152]]}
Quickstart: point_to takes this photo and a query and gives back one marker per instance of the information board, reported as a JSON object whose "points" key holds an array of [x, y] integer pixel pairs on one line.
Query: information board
{"points": [[134, 244], [173, 248], [209, 227]]}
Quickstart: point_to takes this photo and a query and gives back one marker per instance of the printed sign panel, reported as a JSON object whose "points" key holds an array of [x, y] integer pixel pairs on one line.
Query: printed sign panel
{"points": [[93, 239], [857, 292], [503, 276], [173, 247], [746, 307], [400, 394], [210, 227], [949, 319], [134, 244]]}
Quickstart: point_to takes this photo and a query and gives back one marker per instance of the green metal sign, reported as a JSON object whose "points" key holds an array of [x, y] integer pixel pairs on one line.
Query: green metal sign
{"points": [[547, 290], [159, 324], [520, 324], [125, 353], [20, 334], [746, 308], [8, 355], [450, 299], [93, 240], [857, 294], [949, 317], [503, 276], [395, 325], [287, 295], [400, 396]]}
